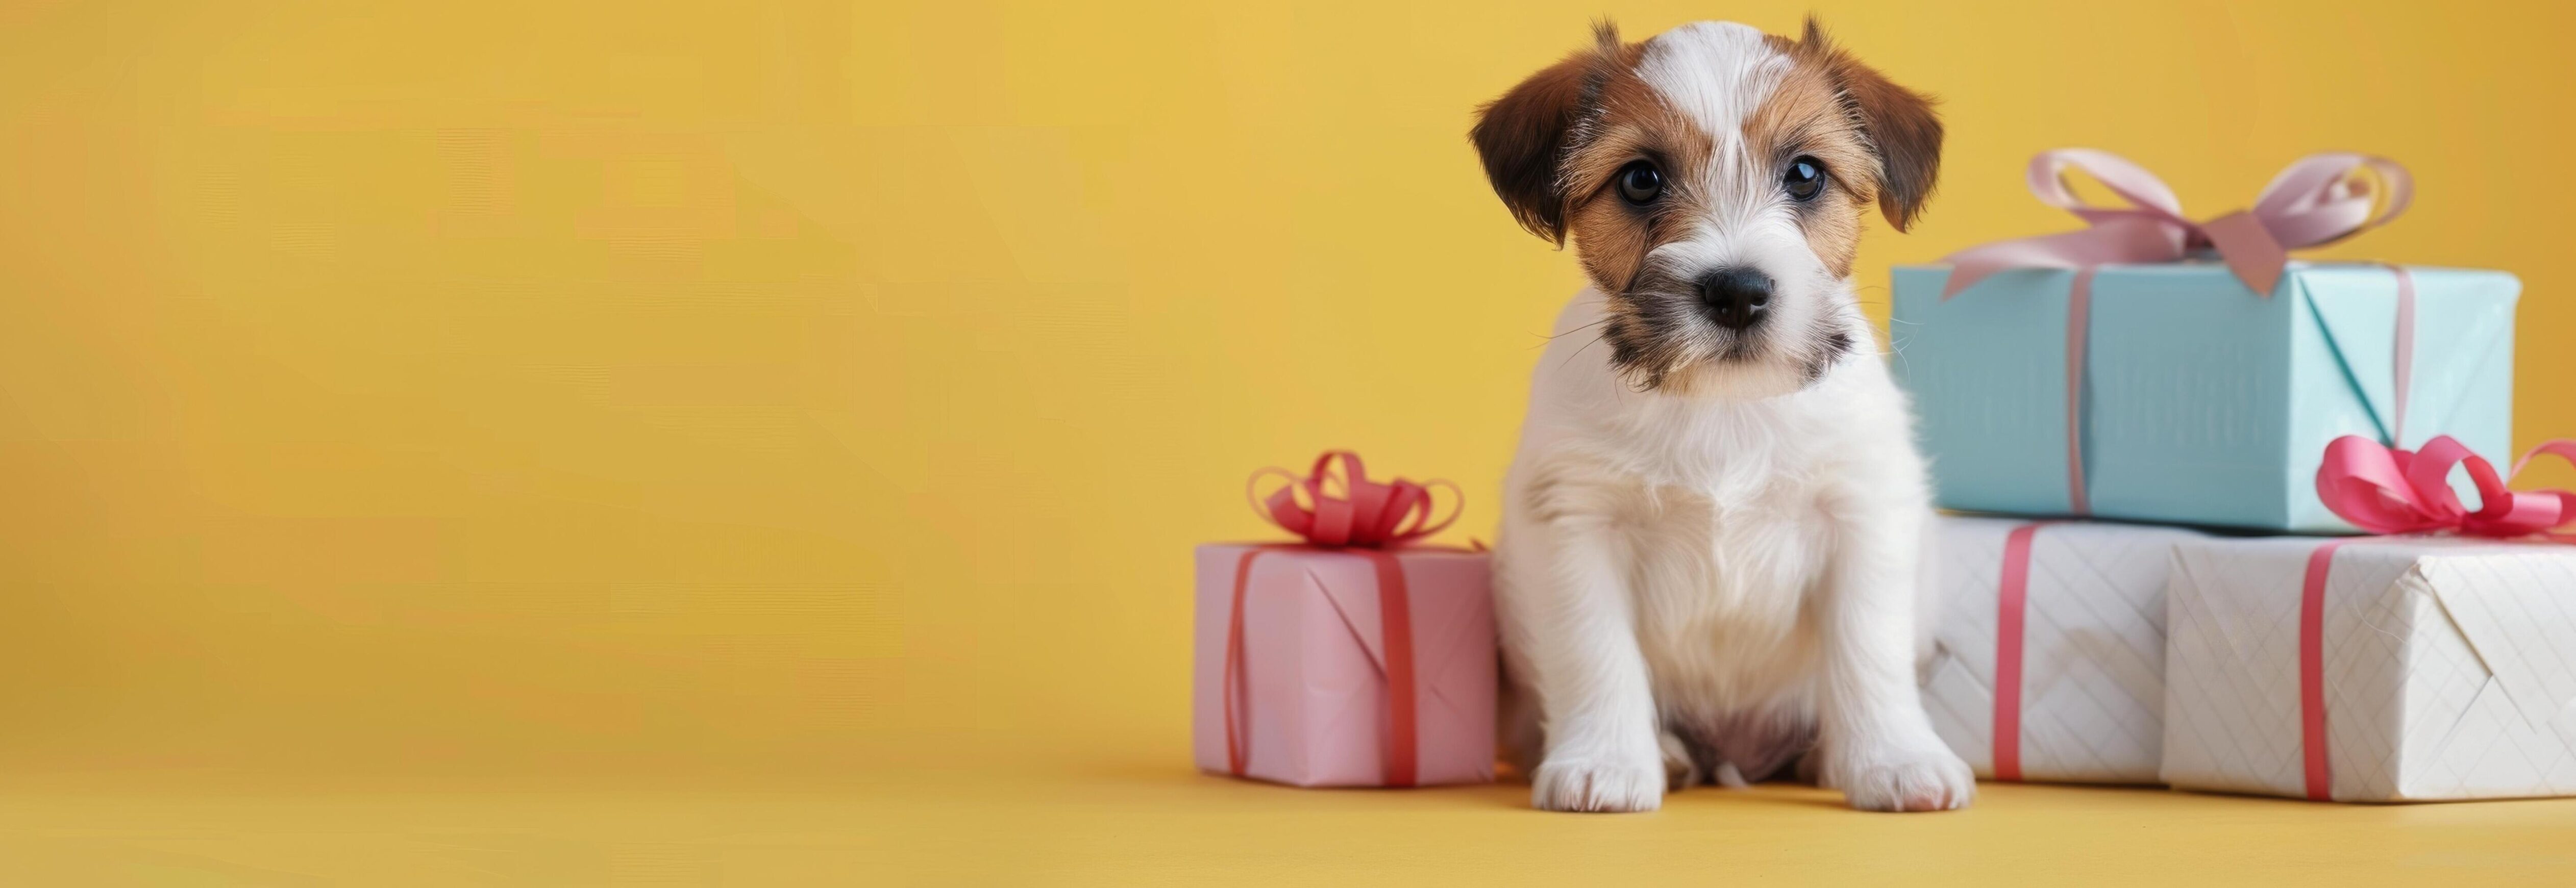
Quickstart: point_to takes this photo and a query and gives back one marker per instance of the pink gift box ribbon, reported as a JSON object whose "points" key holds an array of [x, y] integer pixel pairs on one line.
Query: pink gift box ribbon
{"points": [[1367, 518]]}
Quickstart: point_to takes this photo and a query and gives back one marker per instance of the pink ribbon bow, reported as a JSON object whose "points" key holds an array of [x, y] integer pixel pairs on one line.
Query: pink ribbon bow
{"points": [[2385, 490], [2315, 201], [1367, 514]]}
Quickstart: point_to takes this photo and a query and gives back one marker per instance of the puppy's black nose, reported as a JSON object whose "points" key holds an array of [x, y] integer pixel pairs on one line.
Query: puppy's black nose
{"points": [[1736, 297]]}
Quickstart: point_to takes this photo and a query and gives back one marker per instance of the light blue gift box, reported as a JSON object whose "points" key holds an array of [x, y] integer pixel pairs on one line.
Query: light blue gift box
{"points": [[2202, 402]]}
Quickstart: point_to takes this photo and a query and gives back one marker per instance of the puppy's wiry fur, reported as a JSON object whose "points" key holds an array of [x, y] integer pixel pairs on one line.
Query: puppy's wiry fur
{"points": [[1708, 566]]}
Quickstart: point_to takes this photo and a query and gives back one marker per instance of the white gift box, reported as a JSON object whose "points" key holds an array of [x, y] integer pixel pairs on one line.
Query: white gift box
{"points": [[2092, 649], [2407, 670]]}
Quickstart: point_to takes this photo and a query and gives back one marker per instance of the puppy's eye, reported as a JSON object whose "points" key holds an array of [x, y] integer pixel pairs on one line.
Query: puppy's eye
{"points": [[1805, 178], [1640, 184]]}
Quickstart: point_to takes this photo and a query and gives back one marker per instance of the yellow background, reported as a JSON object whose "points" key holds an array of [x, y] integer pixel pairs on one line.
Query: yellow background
{"points": [[454, 396]]}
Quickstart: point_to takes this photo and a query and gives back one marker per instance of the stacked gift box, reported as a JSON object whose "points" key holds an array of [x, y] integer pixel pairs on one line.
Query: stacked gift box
{"points": [[2187, 428]]}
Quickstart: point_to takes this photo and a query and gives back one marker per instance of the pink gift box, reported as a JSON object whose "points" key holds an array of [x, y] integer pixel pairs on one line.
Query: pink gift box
{"points": [[1312, 702]]}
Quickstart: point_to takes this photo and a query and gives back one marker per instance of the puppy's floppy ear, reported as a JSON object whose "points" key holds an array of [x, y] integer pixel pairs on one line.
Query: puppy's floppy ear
{"points": [[1523, 135], [1899, 122]]}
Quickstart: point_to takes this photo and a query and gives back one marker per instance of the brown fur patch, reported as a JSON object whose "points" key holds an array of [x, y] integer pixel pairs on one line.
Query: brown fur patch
{"points": [[1896, 124], [1522, 137], [1804, 117], [1630, 123]]}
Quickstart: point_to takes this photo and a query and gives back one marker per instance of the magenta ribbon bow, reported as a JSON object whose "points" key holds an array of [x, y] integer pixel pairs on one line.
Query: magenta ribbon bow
{"points": [[1367, 514], [2385, 490], [2315, 201]]}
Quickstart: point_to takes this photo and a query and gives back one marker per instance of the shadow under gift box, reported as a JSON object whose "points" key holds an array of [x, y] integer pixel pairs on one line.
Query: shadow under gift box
{"points": [[2202, 402], [1312, 705]]}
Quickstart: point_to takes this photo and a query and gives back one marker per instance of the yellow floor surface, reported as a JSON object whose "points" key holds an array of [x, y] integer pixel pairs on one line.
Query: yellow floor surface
{"points": [[1156, 825]]}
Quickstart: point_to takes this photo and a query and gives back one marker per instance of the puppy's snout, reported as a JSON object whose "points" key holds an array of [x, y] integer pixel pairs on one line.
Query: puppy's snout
{"points": [[1735, 297]]}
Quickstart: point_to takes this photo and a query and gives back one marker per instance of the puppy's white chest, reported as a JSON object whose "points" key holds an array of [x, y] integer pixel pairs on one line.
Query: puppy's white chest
{"points": [[1720, 579]]}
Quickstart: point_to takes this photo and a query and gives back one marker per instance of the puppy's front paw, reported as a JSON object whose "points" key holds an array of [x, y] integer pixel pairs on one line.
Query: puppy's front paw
{"points": [[1910, 778], [1606, 784]]}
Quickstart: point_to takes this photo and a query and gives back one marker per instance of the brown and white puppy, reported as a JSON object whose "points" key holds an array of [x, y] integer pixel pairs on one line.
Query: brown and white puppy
{"points": [[1709, 560]]}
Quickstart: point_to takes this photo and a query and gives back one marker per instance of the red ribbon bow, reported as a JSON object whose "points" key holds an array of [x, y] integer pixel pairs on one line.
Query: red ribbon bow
{"points": [[1368, 514], [2385, 490]]}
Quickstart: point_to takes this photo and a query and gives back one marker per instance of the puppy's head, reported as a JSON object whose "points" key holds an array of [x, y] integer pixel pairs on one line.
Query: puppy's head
{"points": [[1713, 180]]}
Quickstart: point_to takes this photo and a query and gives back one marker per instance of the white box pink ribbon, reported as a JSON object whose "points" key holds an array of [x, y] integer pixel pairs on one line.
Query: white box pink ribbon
{"points": [[2049, 658], [2372, 670], [2381, 669]]}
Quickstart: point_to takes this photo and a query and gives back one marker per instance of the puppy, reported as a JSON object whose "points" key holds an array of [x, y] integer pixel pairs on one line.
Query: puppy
{"points": [[1709, 560]]}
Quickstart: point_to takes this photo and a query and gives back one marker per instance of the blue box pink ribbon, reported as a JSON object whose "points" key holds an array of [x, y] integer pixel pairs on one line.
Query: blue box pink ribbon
{"points": [[2153, 368]]}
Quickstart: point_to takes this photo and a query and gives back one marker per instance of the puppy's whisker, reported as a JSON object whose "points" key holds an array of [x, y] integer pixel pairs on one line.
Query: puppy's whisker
{"points": [[1544, 340], [1596, 340]]}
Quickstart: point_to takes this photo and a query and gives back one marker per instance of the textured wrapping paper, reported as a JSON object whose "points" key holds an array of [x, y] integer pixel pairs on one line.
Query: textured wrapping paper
{"points": [[2443, 669], [2092, 649], [1313, 696], [2203, 402]]}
